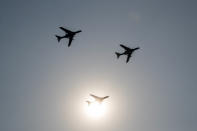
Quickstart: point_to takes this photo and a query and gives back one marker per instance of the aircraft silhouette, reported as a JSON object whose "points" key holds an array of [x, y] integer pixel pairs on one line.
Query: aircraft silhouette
{"points": [[128, 52], [99, 99], [68, 34]]}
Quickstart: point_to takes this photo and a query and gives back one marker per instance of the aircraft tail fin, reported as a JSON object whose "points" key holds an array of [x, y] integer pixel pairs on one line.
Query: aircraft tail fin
{"points": [[117, 54], [88, 102], [58, 38]]}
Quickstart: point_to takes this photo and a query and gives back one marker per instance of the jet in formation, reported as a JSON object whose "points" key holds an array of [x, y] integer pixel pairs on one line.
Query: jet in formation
{"points": [[97, 99], [68, 34], [128, 52]]}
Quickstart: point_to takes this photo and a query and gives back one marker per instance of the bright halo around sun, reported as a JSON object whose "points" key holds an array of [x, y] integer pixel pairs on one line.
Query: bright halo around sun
{"points": [[96, 110]]}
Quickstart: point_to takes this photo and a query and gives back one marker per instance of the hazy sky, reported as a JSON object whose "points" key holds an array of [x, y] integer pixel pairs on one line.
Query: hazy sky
{"points": [[43, 83]]}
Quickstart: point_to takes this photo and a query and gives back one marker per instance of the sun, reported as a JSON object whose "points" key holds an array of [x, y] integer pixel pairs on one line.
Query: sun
{"points": [[96, 110]]}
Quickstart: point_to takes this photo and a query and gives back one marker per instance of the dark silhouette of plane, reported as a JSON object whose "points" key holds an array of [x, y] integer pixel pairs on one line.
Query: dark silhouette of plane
{"points": [[128, 52], [99, 99], [68, 34]]}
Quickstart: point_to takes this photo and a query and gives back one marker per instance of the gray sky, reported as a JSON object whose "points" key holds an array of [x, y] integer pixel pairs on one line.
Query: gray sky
{"points": [[42, 82]]}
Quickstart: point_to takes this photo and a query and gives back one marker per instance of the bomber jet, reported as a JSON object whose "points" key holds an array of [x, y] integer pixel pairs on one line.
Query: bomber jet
{"points": [[98, 99], [128, 52], [68, 34]]}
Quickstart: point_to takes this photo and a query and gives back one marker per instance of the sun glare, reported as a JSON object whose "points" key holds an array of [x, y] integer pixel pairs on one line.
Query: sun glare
{"points": [[95, 110]]}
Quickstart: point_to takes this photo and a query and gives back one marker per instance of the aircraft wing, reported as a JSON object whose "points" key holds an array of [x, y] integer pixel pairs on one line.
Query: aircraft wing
{"points": [[66, 30], [70, 41], [128, 58], [126, 48], [96, 97]]}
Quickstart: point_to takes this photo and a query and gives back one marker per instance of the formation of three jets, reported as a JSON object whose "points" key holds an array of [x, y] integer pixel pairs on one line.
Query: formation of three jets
{"points": [[70, 35]]}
